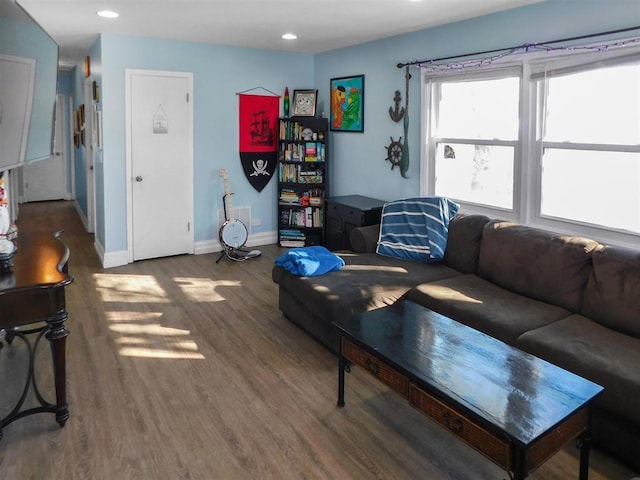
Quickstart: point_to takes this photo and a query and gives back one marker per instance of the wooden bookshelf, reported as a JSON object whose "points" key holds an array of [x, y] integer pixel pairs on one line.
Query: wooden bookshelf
{"points": [[302, 181]]}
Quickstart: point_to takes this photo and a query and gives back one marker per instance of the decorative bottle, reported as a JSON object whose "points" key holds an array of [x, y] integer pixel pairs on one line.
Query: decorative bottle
{"points": [[286, 101]]}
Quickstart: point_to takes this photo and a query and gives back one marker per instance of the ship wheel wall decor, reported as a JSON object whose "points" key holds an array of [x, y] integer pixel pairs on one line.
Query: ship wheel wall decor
{"points": [[394, 152], [397, 151]]}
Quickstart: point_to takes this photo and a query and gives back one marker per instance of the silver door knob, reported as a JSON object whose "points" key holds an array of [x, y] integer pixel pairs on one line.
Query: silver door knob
{"points": [[138, 178]]}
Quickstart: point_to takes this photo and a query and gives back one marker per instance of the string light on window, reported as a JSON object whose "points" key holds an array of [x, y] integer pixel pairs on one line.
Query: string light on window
{"points": [[433, 65]]}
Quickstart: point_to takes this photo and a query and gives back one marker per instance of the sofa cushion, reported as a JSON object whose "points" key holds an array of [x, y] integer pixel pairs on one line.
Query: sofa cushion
{"points": [[596, 352], [365, 239], [367, 281], [486, 307], [537, 263], [463, 244], [612, 297]]}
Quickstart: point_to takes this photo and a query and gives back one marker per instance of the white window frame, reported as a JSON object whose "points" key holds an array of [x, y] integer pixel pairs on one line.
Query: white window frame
{"points": [[528, 162]]}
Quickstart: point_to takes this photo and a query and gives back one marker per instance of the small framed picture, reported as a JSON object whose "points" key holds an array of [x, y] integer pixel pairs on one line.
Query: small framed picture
{"points": [[347, 104], [304, 103]]}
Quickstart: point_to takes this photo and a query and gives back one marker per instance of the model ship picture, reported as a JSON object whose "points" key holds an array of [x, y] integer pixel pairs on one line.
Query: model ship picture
{"points": [[262, 133]]}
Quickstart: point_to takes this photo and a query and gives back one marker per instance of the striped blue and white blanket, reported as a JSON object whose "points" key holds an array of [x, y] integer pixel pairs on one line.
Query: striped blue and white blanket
{"points": [[416, 229]]}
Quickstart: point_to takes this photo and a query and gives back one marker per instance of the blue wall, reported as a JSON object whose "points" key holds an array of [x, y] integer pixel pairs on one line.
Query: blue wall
{"points": [[359, 164]]}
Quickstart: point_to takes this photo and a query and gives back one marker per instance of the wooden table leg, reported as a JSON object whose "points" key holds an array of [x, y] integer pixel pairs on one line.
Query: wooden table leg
{"points": [[57, 336], [584, 443], [519, 464], [341, 367]]}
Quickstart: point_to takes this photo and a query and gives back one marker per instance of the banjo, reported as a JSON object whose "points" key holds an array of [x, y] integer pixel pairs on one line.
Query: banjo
{"points": [[233, 233]]}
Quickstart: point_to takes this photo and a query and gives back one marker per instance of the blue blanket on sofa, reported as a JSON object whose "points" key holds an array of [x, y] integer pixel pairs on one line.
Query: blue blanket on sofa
{"points": [[309, 261], [416, 229]]}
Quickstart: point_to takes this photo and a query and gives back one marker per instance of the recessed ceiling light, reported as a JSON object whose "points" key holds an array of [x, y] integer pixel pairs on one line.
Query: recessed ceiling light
{"points": [[289, 36], [108, 14]]}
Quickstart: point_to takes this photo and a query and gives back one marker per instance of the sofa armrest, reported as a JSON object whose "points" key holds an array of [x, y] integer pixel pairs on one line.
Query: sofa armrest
{"points": [[365, 239]]}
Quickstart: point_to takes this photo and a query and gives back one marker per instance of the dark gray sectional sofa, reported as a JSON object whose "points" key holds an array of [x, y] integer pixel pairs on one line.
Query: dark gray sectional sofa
{"points": [[566, 299]]}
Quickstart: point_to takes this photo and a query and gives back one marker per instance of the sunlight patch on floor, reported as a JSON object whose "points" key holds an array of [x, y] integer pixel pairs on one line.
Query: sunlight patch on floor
{"points": [[204, 289], [159, 353], [129, 316], [148, 329], [141, 334], [129, 288]]}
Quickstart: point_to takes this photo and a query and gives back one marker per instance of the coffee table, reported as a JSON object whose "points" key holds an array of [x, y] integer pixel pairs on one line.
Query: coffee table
{"points": [[516, 409]]}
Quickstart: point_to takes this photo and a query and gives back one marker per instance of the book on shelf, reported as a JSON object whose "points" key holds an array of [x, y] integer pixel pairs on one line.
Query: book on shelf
{"points": [[310, 176], [308, 217], [292, 243], [297, 132], [293, 238], [292, 232], [310, 149], [289, 196]]}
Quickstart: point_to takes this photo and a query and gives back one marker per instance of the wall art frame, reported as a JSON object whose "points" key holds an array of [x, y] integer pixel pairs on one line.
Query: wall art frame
{"points": [[347, 104], [304, 103]]}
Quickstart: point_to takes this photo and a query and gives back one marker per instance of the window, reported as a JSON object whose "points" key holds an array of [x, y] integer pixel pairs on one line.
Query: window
{"points": [[475, 132], [554, 142], [590, 155]]}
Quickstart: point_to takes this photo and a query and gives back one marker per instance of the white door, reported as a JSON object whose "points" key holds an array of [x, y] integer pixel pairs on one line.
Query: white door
{"points": [[47, 179], [160, 163]]}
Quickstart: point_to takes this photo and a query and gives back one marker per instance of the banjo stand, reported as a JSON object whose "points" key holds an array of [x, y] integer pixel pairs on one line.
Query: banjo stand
{"points": [[233, 233]]}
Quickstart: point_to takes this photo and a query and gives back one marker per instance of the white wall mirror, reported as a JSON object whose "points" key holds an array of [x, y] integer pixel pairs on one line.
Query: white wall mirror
{"points": [[28, 82]]}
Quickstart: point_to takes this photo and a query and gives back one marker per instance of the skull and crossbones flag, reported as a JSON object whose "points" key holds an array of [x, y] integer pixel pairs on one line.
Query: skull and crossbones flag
{"points": [[259, 138]]}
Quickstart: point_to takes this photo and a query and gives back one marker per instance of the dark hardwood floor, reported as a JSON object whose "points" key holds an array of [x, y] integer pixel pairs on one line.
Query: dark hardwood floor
{"points": [[181, 368]]}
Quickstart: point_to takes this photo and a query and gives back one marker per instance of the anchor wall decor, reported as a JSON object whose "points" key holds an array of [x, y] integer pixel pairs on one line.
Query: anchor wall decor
{"points": [[397, 150], [397, 113]]}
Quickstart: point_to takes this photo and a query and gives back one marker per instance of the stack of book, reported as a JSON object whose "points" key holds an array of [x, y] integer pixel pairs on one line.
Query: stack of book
{"points": [[290, 197], [292, 238], [314, 152], [288, 172], [310, 176]]}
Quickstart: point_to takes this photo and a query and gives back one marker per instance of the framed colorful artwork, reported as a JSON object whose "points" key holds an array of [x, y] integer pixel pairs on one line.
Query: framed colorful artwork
{"points": [[347, 104]]}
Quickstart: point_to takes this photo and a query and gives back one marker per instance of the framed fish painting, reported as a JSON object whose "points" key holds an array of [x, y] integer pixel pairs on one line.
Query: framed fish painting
{"points": [[347, 104]]}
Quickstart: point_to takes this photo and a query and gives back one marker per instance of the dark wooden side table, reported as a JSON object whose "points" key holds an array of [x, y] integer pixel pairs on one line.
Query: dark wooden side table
{"points": [[346, 213], [32, 303]]}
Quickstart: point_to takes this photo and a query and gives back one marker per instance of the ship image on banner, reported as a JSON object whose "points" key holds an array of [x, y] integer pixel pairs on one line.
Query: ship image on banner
{"points": [[258, 138]]}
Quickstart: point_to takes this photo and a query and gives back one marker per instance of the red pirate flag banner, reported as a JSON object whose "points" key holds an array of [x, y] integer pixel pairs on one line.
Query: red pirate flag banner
{"points": [[259, 138]]}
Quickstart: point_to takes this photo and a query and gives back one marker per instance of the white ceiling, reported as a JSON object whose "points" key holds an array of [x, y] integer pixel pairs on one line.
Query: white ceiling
{"points": [[321, 25]]}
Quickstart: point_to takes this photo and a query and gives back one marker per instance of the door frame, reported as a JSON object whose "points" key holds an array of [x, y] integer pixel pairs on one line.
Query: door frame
{"points": [[61, 137], [89, 154], [69, 142], [59, 151], [129, 74]]}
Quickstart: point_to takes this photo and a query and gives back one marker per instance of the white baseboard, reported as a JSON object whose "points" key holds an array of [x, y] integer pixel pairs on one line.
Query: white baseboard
{"points": [[82, 216], [113, 259], [99, 249], [110, 259], [211, 246], [117, 259]]}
